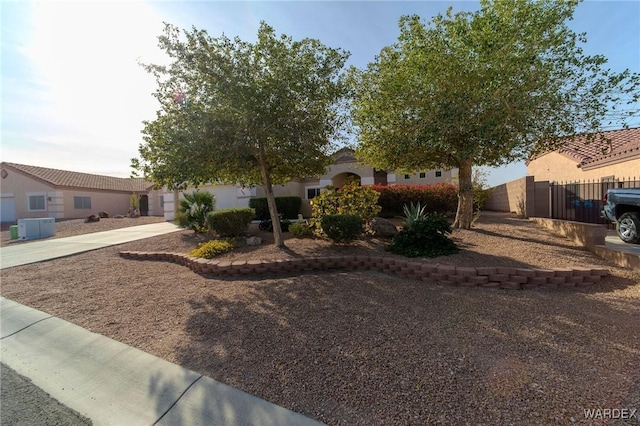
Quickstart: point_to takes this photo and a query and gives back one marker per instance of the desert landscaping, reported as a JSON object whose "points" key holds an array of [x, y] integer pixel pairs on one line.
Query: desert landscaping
{"points": [[364, 347]]}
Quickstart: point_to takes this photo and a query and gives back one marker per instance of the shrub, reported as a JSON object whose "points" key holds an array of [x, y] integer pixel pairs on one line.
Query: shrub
{"points": [[352, 199], [301, 229], [193, 210], [425, 237], [342, 228], [212, 248], [230, 222], [440, 198], [288, 207], [413, 213]]}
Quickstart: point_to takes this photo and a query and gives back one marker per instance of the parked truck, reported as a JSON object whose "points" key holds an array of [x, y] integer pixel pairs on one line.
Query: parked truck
{"points": [[622, 206]]}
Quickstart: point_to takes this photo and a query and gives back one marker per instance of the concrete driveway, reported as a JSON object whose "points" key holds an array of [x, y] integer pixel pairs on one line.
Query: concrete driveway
{"points": [[38, 251]]}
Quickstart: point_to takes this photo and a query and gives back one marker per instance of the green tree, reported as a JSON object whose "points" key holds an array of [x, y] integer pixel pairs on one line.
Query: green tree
{"points": [[485, 88], [238, 112]]}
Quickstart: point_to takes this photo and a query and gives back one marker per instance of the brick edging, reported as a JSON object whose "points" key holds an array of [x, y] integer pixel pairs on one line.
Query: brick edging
{"points": [[492, 277]]}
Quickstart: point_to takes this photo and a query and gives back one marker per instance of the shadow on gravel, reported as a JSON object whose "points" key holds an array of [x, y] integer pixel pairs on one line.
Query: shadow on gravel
{"points": [[367, 348]]}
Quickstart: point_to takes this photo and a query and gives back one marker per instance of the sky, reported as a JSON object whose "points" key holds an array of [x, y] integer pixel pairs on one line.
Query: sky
{"points": [[73, 95]]}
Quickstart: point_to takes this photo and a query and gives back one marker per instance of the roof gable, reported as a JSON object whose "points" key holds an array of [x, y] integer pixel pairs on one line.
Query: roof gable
{"points": [[69, 179], [620, 144]]}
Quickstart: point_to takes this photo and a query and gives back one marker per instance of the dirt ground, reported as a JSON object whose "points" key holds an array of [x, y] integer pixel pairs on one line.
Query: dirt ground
{"points": [[368, 348]]}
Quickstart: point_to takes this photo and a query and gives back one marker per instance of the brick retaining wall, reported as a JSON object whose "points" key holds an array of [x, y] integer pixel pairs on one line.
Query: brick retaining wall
{"points": [[492, 277]]}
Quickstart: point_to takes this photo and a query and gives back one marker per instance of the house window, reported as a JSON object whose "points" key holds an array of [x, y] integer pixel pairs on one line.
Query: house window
{"points": [[438, 173], [82, 203], [407, 177], [313, 192], [162, 201], [36, 202], [423, 175]]}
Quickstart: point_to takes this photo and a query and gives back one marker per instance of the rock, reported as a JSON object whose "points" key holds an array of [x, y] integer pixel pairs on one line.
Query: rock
{"points": [[103, 215], [383, 227], [119, 216], [92, 218], [254, 241]]}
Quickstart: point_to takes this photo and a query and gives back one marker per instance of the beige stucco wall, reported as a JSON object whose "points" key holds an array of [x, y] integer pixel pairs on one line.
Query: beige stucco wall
{"points": [[516, 196], [556, 167], [448, 176], [21, 186], [101, 201], [59, 202]]}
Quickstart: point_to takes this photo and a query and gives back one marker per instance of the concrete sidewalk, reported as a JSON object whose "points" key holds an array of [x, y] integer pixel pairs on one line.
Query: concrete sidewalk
{"points": [[114, 384], [38, 251]]}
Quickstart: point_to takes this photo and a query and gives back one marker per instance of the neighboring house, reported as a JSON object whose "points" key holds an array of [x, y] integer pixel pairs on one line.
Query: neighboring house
{"points": [[32, 192], [595, 161], [345, 165], [581, 173]]}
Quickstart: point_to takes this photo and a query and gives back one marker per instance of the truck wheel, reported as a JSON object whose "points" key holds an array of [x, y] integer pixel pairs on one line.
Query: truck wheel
{"points": [[629, 227]]}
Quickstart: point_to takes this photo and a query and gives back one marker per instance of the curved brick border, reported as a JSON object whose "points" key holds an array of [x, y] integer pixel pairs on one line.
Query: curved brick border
{"points": [[492, 277]]}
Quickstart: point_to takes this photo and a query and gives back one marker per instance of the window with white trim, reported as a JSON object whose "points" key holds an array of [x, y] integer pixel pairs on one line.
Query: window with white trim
{"points": [[313, 192], [407, 177], [82, 203], [438, 173], [37, 203], [423, 175], [161, 201]]}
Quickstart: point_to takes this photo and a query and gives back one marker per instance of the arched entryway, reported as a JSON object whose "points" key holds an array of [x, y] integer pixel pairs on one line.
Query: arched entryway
{"points": [[339, 180]]}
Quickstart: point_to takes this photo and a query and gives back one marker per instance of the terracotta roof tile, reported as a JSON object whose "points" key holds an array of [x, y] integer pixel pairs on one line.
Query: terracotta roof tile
{"points": [[621, 142], [65, 178]]}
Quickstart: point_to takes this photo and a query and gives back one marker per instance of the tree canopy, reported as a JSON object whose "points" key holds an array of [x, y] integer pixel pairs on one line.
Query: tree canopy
{"points": [[485, 88], [239, 112]]}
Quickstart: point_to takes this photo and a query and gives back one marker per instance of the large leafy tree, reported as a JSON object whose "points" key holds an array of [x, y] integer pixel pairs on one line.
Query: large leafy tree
{"points": [[238, 112], [485, 88]]}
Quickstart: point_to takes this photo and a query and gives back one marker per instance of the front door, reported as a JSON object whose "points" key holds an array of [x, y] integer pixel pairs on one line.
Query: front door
{"points": [[144, 205]]}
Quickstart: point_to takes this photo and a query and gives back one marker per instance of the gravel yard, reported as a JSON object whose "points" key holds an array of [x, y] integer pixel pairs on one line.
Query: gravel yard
{"points": [[369, 348]]}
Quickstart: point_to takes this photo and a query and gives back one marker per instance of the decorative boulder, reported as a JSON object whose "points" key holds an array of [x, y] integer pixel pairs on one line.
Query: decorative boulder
{"points": [[119, 216], [103, 215], [92, 218], [383, 227], [254, 241]]}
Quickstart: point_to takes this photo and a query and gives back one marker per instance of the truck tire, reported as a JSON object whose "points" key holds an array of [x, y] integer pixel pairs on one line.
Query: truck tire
{"points": [[628, 227]]}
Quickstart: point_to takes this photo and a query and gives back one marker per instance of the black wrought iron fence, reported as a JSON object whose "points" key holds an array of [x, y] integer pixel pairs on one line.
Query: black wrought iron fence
{"points": [[582, 201]]}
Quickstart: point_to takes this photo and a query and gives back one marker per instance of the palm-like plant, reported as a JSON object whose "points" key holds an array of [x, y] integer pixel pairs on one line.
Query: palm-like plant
{"points": [[193, 209], [414, 213]]}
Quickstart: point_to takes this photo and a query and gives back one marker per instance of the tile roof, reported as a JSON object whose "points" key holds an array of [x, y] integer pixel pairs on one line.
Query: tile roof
{"points": [[68, 179], [622, 143]]}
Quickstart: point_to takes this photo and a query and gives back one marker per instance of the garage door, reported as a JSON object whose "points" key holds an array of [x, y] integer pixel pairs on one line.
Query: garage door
{"points": [[7, 209]]}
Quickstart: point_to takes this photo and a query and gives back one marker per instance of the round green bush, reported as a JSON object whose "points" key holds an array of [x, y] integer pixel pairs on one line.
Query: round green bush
{"points": [[342, 228], [425, 237], [230, 222]]}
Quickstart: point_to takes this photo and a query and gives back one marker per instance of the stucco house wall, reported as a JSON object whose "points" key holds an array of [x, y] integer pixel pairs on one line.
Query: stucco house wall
{"points": [[560, 168], [345, 166], [615, 157], [20, 182], [16, 189]]}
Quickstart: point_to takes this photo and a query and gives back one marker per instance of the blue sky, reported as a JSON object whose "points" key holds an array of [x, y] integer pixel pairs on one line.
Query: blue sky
{"points": [[73, 95]]}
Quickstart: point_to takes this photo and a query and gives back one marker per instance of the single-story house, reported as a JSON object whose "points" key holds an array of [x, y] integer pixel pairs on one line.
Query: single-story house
{"points": [[577, 160], [344, 166], [32, 192], [580, 172]]}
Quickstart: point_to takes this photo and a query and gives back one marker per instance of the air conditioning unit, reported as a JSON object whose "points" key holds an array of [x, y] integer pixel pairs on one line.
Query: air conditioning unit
{"points": [[29, 229]]}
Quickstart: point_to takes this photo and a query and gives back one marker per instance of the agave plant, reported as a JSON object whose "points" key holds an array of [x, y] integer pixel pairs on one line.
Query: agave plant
{"points": [[193, 210], [414, 213]]}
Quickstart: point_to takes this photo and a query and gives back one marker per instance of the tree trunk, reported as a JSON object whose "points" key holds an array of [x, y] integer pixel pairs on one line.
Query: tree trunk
{"points": [[271, 200], [464, 214]]}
